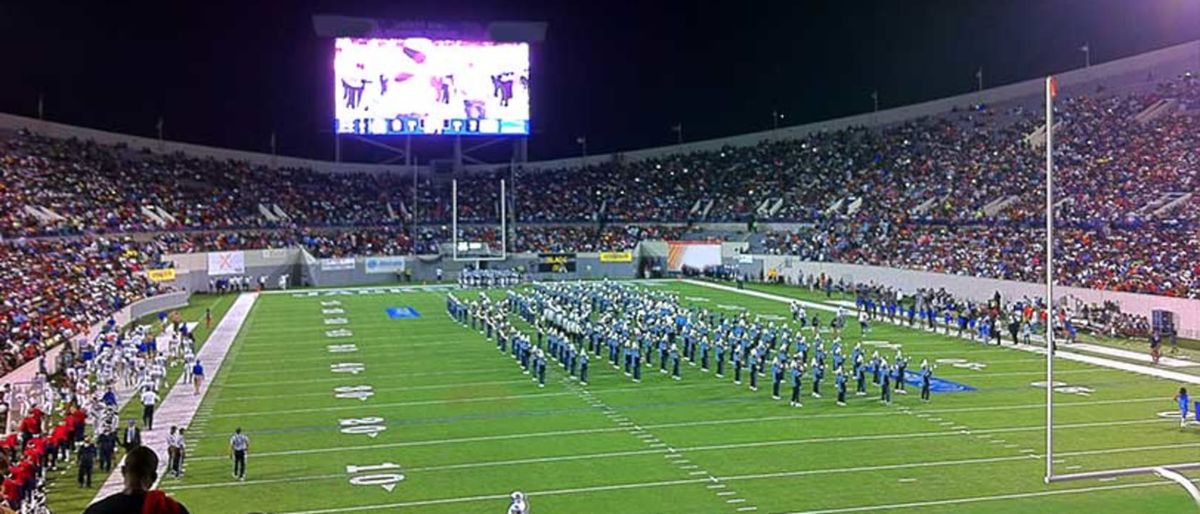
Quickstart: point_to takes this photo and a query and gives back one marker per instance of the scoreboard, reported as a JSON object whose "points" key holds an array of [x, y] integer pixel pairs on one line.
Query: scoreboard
{"points": [[556, 262]]}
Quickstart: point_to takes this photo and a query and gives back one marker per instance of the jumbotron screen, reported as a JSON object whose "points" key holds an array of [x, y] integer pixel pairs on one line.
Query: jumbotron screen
{"points": [[419, 86]]}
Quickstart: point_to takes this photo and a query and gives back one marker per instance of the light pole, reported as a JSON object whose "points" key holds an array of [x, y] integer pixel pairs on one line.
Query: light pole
{"points": [[1087, 55], [582, 145], [979, 78], [875, 100], [775, 117], [678, 129]]}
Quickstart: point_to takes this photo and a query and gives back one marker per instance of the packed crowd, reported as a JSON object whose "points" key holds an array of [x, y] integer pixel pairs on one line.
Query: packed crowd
{"points": [[55, 289], [959, 193]]}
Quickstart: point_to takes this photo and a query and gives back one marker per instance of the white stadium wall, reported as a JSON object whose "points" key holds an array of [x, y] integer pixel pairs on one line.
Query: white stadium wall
{"points": [[1187, 312]]}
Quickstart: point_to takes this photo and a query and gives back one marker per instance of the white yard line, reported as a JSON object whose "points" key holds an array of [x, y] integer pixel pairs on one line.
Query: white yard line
{"points": [[758, 444], [181, 404], [760, 476], [452, 385], [1061, 353], [359, 406], [977, 499]]}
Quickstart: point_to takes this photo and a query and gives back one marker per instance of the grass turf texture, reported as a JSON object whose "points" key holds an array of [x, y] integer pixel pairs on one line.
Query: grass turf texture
{"points": [[64, 493], [466, 428]]}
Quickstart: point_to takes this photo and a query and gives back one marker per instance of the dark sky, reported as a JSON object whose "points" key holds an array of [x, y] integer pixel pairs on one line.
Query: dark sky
{"points": [[621, 73]]}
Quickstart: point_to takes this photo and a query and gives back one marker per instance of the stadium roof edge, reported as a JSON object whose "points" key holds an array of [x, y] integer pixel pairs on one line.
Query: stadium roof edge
{"points": [[1181, 56]]}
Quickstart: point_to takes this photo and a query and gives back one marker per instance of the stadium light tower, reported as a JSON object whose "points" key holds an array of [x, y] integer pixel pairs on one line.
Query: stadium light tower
{"points": [[1087, 55], [582, 141], [775, 117], [875, 100]]}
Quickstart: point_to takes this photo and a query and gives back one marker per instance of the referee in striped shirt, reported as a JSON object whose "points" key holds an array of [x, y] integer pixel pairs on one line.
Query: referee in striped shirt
{"points": [[239, 444]]}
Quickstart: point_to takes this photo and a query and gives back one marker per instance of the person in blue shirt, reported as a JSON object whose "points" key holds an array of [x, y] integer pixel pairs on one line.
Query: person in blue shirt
{"points": [[109, 398], [876, 370], [720, 350], [675, 362], [540, 365], [663, 350], [926, 379], [860, 377], [1184, 402], [737, 365], [797, 372], [197, 376], [636, 356], [583, 368], [818, 370], [627, 358], [840, 382], [776, 379], [754, 375], [885, 388]]}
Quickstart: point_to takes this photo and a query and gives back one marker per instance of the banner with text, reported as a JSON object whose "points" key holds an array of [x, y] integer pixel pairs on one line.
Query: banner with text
{"points": [[337, 264], [384, 264], [161, 275], [616, 256], [226, 263]]}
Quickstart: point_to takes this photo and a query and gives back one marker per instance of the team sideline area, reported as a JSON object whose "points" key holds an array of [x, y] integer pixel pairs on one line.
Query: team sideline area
{"points": [[376, 399]]}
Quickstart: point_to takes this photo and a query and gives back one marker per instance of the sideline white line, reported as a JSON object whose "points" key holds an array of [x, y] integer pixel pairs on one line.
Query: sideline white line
{"points": [[181, 403], [758, 476]]}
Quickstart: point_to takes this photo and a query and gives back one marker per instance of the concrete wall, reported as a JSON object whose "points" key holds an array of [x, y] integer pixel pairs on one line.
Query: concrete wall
{"points": [[1187, 312], [305, 270]]}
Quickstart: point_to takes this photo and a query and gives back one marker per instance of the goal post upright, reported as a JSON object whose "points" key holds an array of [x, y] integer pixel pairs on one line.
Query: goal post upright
{"points": [[1050, 92], [1166, 471]]}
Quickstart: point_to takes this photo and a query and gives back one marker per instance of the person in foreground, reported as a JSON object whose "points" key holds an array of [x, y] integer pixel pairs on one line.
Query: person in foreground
{"points": [[140, 471]]}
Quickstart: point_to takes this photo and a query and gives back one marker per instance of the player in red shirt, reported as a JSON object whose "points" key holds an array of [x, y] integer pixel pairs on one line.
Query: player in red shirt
{"points": [[12, 491]]}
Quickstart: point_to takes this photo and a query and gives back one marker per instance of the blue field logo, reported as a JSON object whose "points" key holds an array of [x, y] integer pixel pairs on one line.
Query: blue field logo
{"points": [[937, 385], [402, 313]]}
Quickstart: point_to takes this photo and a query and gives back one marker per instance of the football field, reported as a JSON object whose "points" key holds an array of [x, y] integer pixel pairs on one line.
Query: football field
{"points": [[376, 401]]}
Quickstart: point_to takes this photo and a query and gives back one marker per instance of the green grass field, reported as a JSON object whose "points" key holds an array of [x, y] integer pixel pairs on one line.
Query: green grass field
{"points": [[456, 427]]}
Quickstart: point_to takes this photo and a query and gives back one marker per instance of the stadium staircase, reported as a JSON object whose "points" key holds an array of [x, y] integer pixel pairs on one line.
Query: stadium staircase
{"points": [[707, 207], [1157, 110], [162, 213], [834, 207], [280, 213], [1037, 138], [924, 207], [152, 215], [855, 205], [266, 213], [999, 204], [1164, 203], [42, 214]]}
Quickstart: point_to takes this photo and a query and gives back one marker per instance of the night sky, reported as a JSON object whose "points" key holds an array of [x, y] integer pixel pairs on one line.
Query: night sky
{"points": [[621, 73]]}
